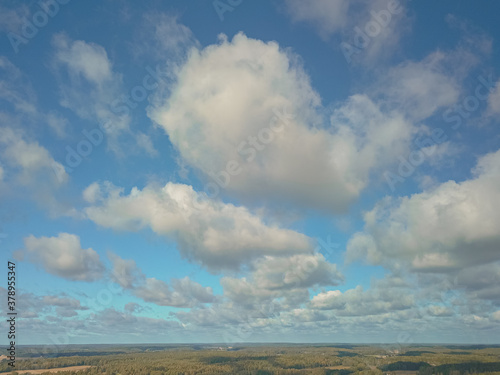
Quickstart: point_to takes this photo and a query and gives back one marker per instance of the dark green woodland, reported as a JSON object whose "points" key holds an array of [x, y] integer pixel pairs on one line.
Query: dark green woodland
{"points": [[260, 359]]}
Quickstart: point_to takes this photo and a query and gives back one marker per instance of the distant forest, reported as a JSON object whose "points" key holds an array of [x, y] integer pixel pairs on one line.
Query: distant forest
{"points": [[260, 359]]}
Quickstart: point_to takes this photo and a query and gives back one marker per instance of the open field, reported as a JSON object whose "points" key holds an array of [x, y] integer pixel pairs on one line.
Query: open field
{"points": [[283, 359], [52, 370]]}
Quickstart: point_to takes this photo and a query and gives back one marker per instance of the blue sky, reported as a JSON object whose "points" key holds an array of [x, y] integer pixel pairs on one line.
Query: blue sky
{"points": [[251, 171]]}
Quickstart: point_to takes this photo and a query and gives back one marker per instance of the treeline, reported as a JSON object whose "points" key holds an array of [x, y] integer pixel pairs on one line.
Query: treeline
{"points": [[461, 368], [68, 354], [416, 353], [425, 368], [405, 366], [214, 362]]}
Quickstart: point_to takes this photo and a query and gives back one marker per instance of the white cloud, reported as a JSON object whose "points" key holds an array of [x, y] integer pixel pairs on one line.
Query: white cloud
{"points": [[328, 300], [275, 285], [65, 307], [184, 292], [433, 261], [228, 93], [91, 88], [496, 316], [27, 157], [29, 169], [480, 283], [219, 236], [57, 123], [327, 16], [422, 87], [145, 143], [283, 281], [395, 23], [133, 307], [297, 271], [63, 256], [187, 287], [13, 18], [451, 226], [125, 272], [162, 36], [63, 302], [88, 85], [437, 310], [92, 193], [357, 302], [386, 22], [16, 89], [34, 306], [86, 59], [494, 101]]}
